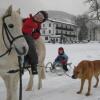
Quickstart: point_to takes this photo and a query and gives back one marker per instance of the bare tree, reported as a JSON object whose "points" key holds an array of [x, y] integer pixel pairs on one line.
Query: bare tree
{"points": [[94, 9], [81, 22]]}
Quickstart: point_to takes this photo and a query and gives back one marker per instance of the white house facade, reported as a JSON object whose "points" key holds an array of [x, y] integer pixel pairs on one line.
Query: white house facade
{"points": [[56, 30]]}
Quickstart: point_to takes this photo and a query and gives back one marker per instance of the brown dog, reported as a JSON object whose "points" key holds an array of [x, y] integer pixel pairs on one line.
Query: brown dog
{"points": [[86, 70]]}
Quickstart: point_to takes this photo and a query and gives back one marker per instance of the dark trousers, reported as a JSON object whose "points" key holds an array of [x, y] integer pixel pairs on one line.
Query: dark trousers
{"points": [[65, 67], [32, 54]]}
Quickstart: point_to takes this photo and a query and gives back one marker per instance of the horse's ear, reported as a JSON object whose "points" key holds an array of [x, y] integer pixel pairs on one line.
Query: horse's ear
{"points": [[8, 11], [18, 11]]}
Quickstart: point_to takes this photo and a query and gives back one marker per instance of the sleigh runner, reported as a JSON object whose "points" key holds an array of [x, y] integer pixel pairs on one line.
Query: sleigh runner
{"points": [[57, 68]]}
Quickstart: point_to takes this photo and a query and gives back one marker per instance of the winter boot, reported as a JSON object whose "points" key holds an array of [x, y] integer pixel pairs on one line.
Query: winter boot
{"points": [[34, 69], [65, 68]]}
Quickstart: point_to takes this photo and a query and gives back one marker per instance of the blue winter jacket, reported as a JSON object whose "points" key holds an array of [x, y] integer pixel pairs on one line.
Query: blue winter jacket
{"points": [[59, 58]]}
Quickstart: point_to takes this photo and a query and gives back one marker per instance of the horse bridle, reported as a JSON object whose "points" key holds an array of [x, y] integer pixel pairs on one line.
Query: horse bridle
{"points": [[9, 36], [11, 39]]}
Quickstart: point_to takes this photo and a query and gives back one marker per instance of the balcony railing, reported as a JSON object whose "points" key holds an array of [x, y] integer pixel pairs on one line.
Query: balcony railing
{"points": [[67, 35], [67, 29]]}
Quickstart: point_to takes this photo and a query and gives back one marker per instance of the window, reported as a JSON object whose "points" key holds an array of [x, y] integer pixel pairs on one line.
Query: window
{"points": [[59, 24], [64, 26], [49, 31], [46, 38], [68, 26], [56, 25], [43, 25], [56, 31], [59, 31], [56, 39], [49, 24], [43, 31]]}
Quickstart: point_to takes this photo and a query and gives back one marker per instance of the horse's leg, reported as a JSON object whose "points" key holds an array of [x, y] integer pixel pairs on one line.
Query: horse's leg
{"points": [[41, 51], [41, 75], [11, 83], [30, 83]]}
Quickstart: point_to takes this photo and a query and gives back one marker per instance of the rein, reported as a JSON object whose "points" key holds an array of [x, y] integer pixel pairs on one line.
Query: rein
{"points": [[20, 75], [68, 75], [11, 40]]}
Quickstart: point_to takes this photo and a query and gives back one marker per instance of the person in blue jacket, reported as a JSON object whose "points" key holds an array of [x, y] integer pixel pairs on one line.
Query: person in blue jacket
{"points": [[62, 58]]}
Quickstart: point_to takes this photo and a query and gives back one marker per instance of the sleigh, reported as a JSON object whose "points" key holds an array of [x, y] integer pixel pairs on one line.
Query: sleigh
{"points": [[57, 68]]}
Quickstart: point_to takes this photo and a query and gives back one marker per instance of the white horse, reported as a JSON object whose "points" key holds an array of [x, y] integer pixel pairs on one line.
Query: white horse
{"points": [[11, 37], [40, 47]]}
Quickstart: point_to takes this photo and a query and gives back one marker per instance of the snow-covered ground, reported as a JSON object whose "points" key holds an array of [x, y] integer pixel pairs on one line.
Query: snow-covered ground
{"points": [[62, 87]]}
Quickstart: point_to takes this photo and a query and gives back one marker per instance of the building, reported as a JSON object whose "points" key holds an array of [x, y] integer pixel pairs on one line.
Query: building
{"points": [[60, 28]]}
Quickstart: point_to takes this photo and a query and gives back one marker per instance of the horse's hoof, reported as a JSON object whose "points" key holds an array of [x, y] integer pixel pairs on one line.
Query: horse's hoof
{"points": [[39, 88], [87, 94], [28, 89], [78, 92], [95, 86]]}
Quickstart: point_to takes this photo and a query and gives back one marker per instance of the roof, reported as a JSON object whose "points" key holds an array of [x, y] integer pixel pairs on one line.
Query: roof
{"points": [[60, 21], [62, 17]]}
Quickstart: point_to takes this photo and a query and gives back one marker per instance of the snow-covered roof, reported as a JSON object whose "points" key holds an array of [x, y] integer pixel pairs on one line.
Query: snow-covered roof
{"points": [[60, 21], [62, 17]]}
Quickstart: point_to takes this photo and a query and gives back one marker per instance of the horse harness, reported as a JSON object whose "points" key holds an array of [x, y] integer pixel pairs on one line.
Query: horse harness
{"points": [[11, 39], [9, 36]]}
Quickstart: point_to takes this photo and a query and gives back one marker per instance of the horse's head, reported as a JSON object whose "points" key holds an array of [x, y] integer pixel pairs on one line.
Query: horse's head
{"points": [[12, 32]]}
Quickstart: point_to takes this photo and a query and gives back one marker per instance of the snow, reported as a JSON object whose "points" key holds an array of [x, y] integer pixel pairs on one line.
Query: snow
{"points": [[62, 87]]}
